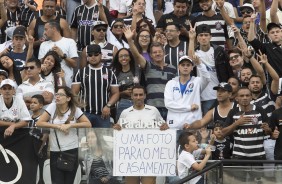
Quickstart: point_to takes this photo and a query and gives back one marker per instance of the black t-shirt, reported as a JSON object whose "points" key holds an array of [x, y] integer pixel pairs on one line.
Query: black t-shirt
{"points": [[276, 121], [171, 18]]}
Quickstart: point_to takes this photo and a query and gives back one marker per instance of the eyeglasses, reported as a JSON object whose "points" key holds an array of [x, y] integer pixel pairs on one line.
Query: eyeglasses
{"points": [[170, 30], [101, 29], [248, 22], [94, 54], [118, 26], [246, 12], [145, 36], [60, 94], [28, 67], [123, 56], [234, 57]]}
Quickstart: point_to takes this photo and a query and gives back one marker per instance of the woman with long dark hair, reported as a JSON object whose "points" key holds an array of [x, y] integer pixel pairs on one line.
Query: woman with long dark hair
{"points": [[128, 74], [143, 42], [62, 117], [8, 64], [51, 69]]}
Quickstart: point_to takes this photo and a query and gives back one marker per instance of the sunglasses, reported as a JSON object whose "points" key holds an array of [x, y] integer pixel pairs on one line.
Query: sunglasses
{"points": [[28, 67], [246, 12], [96, 54], [101, 29], [118, 26], [234, 57]]}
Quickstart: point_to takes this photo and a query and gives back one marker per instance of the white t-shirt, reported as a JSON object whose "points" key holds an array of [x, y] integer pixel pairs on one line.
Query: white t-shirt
{"points": [[66, 141], [26, 89], [184, 163], [148, 117], [207, 58], [18, 111], [68, 46]]}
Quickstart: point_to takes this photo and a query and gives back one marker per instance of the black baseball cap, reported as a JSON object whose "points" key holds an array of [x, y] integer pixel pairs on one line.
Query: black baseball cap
{"points": [[273, 25], [223, 85], [203, 28], [19, 31], [94, 48]]}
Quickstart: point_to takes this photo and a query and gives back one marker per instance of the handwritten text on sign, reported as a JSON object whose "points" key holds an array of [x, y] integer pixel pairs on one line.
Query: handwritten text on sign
{"points": [[144, 152]]}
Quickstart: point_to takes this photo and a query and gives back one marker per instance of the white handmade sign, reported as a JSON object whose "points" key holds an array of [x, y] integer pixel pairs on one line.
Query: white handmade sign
{"points": [[144, 152]]}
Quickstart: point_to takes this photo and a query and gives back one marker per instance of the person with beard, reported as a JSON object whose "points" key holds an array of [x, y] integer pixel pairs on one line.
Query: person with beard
{"points": [[175, 48], [218, 25], [36, 27], [99, 87], [64, 47]]}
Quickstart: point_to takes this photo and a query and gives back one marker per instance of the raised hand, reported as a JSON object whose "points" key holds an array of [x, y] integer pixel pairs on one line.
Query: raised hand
{"points": [[128, 33], [196, 60], [192, 31], [219, 3], [262, 57]]}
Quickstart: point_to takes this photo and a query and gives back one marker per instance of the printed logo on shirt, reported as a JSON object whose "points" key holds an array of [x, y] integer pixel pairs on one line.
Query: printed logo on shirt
{"points": [[95, 15], [170, 122], [180, 53], [15, 112], [175, 89], [86, 22], [169, 20], [247, 131], [218, 26], [105, 76]]}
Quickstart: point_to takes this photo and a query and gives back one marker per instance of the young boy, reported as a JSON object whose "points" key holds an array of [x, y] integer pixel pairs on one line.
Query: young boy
{"points": [[39, 135], [186, 163], [223, 146]]}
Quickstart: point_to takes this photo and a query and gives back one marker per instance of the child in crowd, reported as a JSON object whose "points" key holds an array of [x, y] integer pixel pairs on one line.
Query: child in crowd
{"points": [[223, 146], [39, 135], [186, 163]]}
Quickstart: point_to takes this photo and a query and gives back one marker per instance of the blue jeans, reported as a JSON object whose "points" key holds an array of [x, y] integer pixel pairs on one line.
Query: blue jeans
{"points": [[206, 105], [97, 121], [123, 104]]}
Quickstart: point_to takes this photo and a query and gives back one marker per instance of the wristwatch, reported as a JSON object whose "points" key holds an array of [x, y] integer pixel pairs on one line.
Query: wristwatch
{"points": [[64, 56], [109, 105]]}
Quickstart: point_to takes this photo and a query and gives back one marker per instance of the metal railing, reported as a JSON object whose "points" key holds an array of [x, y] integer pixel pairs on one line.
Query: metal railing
{"points": [[221, 164]]}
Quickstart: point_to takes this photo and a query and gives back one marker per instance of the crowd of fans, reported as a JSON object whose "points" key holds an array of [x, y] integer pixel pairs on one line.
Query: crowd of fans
{"points": [[214, 65]]}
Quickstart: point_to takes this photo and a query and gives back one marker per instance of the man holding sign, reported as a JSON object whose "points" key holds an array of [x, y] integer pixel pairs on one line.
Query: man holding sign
{"points": [[141, 116]]}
